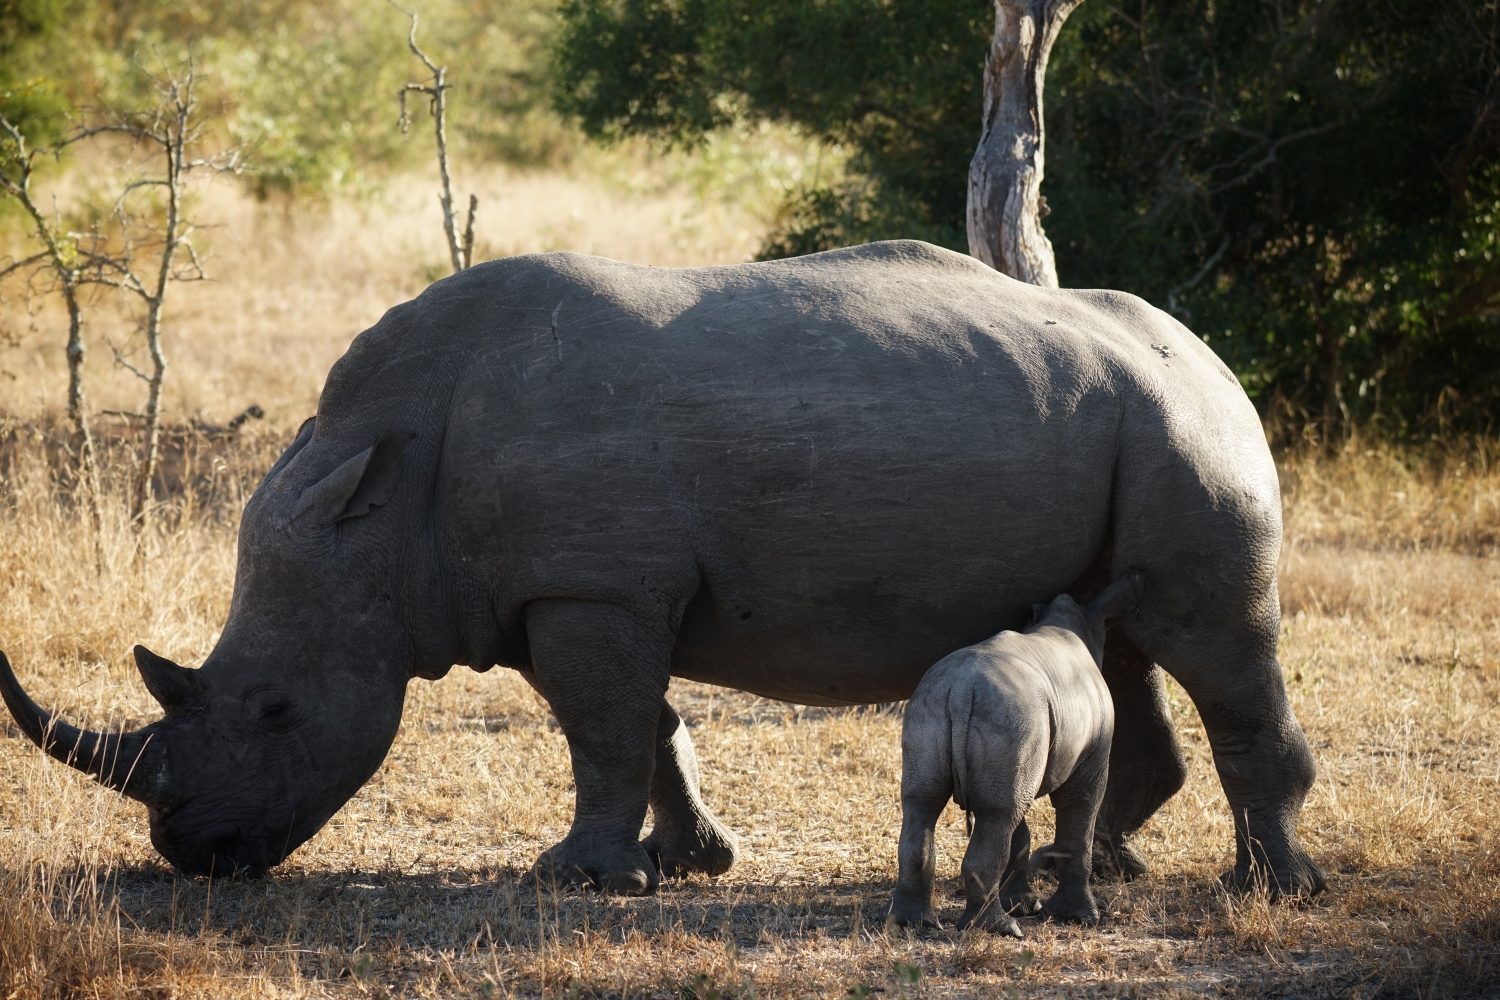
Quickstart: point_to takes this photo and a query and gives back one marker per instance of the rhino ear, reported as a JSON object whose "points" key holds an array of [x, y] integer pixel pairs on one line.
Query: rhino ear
{"points": [[1038, 612], [365, 481]]}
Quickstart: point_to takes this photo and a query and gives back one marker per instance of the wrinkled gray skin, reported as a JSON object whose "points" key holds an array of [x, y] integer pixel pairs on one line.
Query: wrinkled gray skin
{"points": [[809, 479], [994, 726]]}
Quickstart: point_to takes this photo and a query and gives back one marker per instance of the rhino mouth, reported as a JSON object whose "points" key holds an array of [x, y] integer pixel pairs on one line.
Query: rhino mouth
{"points": [[221, 852]]}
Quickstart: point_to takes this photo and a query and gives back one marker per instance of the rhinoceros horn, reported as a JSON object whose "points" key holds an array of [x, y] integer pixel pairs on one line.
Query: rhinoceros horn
{"points": [[174, 687], [117, 760]]}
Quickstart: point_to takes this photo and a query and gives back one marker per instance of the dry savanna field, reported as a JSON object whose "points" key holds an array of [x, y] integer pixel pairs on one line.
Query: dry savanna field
{"points": [[1390, 647]]}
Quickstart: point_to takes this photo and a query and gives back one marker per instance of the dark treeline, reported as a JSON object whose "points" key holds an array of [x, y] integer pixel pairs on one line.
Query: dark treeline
{"points": [[1312, 186]]}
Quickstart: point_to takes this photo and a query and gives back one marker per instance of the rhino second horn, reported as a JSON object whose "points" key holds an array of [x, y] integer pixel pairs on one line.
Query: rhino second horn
{"points": [[116, 760], [174, 687]]}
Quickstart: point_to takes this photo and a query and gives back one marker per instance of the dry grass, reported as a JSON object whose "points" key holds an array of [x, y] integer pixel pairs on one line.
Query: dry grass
{"points": [[1391, 649]]}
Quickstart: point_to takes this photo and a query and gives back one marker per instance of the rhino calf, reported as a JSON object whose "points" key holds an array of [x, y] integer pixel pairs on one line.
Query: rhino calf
{"points": [[994, 726]]}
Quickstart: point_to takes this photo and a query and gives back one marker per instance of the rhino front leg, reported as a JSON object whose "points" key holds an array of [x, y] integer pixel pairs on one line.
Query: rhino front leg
{"points": [[685, 836], [603, 670]]}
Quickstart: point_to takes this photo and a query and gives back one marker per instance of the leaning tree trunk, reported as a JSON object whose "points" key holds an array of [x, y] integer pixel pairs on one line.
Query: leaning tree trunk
{"points": [[1005, 175]]}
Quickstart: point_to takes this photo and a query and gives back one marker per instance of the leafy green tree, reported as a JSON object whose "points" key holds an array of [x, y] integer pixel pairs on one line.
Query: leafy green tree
{"points": [[306, 87], [26, 99], [897, 84], [1314, 185]]}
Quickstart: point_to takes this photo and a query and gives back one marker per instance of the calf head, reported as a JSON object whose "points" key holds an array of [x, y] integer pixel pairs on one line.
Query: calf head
{"points": [[1088, 621], [299, 700]]}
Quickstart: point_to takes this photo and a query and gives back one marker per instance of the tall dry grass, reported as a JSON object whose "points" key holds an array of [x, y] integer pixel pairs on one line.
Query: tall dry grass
{"points": [[1391, 651]]}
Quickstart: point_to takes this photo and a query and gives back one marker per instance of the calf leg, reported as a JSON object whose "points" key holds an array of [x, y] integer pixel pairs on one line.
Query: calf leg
{"points": [[987, 863], [1146, 762], [685, 836], [911, 903], [603, 670], [1015, 885], [1077, 804]]}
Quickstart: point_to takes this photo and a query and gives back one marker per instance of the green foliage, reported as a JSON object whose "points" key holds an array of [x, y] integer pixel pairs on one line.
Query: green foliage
{"points": [[897, 84], [27, 100], [308, 87], [1313, 185]]}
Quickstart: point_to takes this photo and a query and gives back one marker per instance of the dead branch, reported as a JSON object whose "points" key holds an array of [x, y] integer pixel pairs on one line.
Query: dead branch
{"points": [[460, 248]]}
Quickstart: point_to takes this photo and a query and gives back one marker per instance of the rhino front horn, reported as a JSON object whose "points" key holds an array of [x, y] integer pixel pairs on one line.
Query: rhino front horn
{"points": [[116, 760], [174, 687]]}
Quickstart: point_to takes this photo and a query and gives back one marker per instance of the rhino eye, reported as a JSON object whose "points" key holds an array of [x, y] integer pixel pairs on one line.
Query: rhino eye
{"points": [[278, 714]]}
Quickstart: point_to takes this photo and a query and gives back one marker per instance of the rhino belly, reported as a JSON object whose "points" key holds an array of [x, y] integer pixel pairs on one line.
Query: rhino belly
{"points": [[851, 602]]}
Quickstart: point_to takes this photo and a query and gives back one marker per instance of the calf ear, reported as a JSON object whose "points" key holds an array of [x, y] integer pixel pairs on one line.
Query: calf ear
{"points": [[365, 481], [1038, 612]]}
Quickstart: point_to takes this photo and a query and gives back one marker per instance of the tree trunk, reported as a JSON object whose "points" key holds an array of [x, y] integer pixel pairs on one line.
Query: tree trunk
{"points": [[1005, 175], [88, 469]]}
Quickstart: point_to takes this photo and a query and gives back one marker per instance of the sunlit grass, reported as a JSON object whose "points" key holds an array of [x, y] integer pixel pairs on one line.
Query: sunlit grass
{"points": [[1390, 646]]}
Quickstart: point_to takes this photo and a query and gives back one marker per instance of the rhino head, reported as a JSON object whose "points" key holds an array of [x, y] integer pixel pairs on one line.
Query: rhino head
{"points": [[301, 697]]}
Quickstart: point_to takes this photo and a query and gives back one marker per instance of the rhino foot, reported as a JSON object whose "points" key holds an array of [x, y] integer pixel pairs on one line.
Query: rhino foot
{"points": [[1119, 858], [1022, 904], [1116, 859], [908, 910], [705, 847], [1071, 905], [621, 870], [1295, 877]]}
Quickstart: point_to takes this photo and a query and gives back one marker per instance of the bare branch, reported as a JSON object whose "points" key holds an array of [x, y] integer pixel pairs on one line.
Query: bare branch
{"points": [[468, 247], [1192, 282], [21, 265], [123, 363], [459, 247], [411, 40]]}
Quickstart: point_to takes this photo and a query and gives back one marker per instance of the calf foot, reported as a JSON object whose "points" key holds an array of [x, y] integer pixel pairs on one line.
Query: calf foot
{"points": [[618, 869], [1071, 905], [992, 919], [704, 846]]}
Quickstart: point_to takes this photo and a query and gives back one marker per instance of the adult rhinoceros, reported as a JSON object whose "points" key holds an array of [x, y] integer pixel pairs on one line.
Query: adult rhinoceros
{"points": [[809, 479]]}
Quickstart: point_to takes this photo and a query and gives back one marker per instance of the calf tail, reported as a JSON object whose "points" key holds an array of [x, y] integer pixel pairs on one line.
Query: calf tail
{"points": [[960, 708]]}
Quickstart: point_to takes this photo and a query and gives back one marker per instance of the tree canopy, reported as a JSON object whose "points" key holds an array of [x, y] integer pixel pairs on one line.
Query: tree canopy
{"points": [[1312, 186]]}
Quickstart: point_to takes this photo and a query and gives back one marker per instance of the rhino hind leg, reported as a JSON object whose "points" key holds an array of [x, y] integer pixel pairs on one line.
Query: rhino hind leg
{"points": [[685, 836], [1146, 761], [611, 729], [1210, 617]]}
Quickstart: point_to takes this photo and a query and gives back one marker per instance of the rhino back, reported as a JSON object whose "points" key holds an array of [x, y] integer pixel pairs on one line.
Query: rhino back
{"points": [[843, 466]]}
